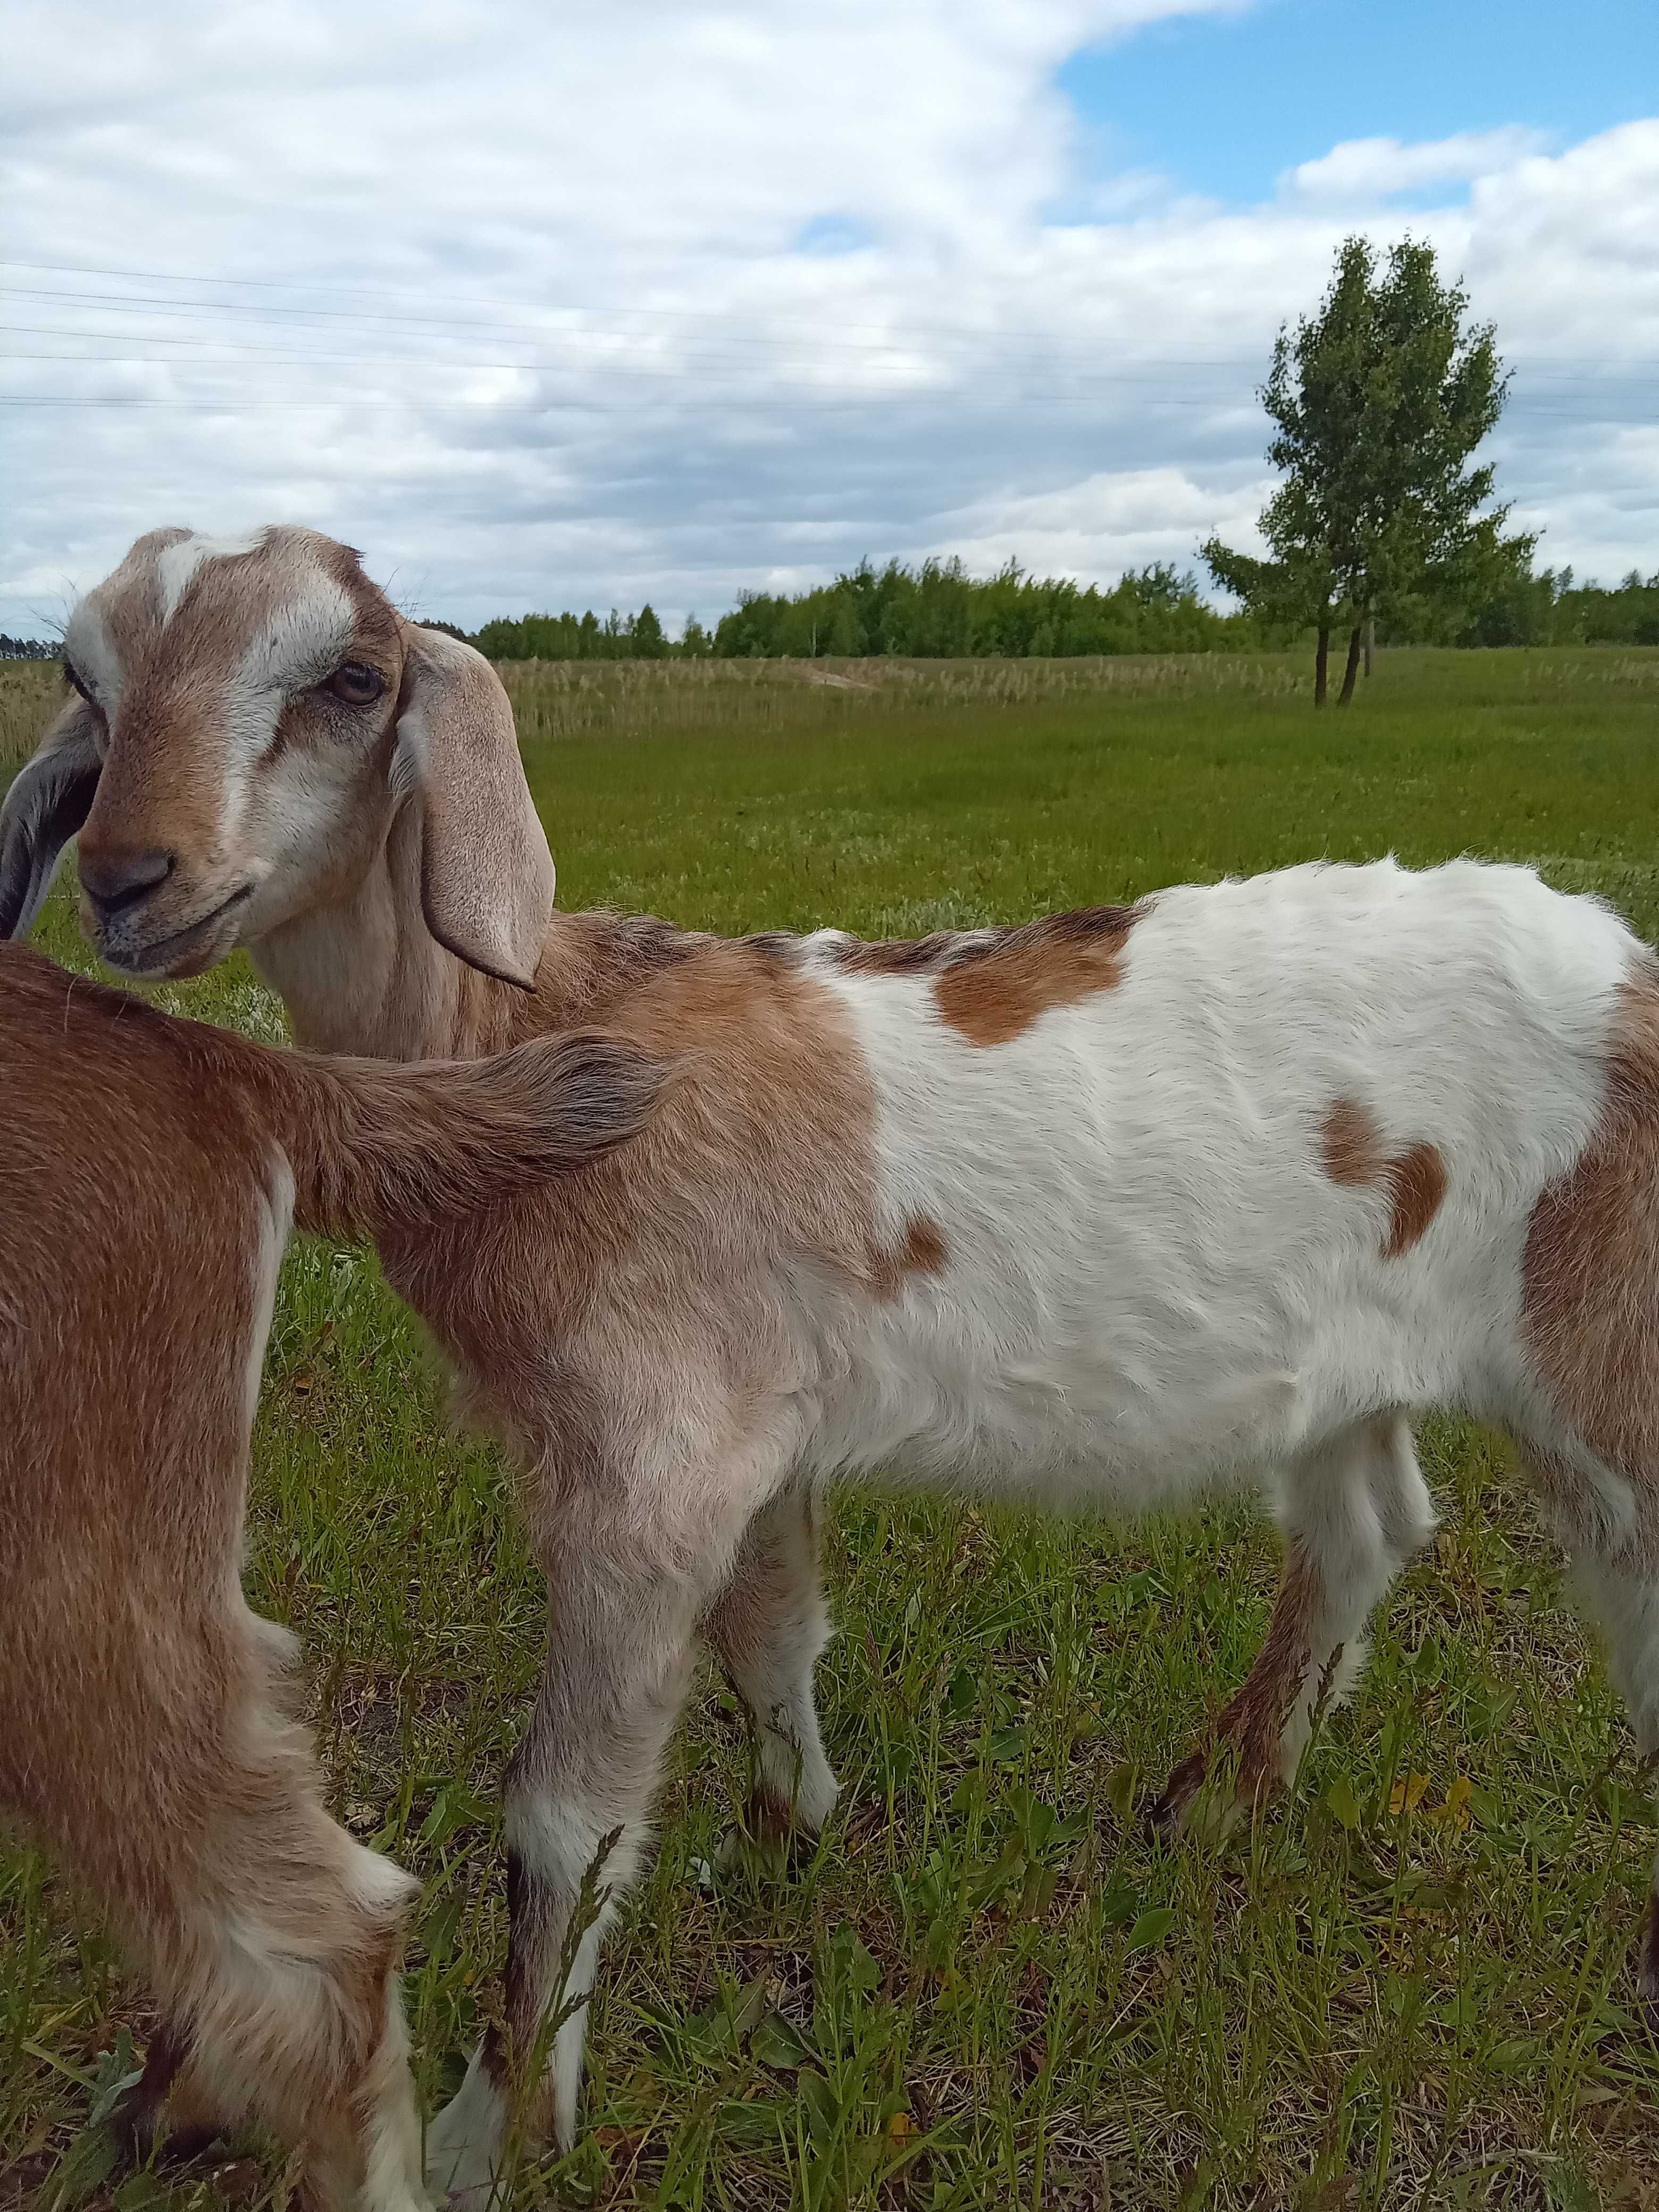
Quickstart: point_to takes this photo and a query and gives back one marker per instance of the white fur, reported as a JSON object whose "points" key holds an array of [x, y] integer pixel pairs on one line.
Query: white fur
{"points": [[88, 650], [176, 564], [393, 2179], [464, 2144], [1151, 1283], [557, 1837], [266, 1260]]}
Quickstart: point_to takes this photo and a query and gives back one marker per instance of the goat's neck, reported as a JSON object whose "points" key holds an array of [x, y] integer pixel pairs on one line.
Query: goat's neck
{"points": [[367, 976]]}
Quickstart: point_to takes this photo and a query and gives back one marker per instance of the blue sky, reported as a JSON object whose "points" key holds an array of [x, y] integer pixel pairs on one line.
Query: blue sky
{"points": [[1223, 104]]}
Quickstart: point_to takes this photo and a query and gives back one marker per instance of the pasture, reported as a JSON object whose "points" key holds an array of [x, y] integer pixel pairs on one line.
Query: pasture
{"points": [[1409, 1983]]}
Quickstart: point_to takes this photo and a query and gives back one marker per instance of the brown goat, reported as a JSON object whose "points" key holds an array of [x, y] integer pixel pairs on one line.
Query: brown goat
{"points": [[149, 1170]]}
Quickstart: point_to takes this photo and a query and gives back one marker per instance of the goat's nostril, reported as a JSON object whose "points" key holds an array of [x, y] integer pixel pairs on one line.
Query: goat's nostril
{"points": [[116, 880]]}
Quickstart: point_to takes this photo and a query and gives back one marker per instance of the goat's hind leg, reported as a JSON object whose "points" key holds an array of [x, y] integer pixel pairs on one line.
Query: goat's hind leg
{"points": [[1612, 1537], [273, 1939], [767, 1628], [1353, 1511]]}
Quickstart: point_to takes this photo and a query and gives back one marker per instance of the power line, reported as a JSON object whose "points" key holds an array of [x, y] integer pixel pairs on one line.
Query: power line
{"points": [[338, 291], [818, 342], [888, 340], [239, 404]]}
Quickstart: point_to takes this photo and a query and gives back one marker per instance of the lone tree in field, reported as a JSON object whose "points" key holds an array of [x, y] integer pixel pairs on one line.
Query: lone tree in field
{"points": [[1379, 400]]}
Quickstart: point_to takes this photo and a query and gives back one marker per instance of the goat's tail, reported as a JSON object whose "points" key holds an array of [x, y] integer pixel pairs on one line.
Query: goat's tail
{"points": [[375, 1144]]}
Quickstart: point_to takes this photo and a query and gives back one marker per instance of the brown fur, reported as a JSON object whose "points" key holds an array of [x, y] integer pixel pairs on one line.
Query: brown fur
{"points": [[922, 1253], [991, 985], [1590, 1272], [1252, 1723], [766, 1139], [136, 1191], [1352, 1152]]}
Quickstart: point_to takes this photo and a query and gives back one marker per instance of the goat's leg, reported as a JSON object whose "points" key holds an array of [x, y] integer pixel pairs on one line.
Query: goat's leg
{"points": [[767, 1627], [1354, 1512], [272, 1940], [1616, 1575], [155, 2106], [621, 1637]]}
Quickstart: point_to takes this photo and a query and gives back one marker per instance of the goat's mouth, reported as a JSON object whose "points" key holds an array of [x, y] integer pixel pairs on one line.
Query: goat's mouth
{"points": [[190, 950]]}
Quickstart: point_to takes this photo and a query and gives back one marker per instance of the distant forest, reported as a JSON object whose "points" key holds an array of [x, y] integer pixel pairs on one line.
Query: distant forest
{"points": [[937, 611]]}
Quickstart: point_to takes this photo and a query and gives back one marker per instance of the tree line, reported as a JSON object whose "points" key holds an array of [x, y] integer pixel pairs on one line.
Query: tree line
{"points": [[937, 610]]}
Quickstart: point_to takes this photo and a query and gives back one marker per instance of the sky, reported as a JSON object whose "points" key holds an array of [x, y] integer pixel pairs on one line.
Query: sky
{"points": [[607, 303]]}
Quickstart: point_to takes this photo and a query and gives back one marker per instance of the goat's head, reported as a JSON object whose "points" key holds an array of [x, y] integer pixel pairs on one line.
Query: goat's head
{"points": [[249, 717]]}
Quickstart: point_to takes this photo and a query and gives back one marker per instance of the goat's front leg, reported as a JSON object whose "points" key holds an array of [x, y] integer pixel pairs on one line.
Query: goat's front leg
{"points": [[1355, 1510], [621, 1634], [767, 1627]]}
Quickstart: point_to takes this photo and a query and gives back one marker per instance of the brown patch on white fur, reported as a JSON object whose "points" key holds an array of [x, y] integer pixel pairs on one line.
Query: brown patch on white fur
{"points": [[139, 1203], [923, 1251], [991, 985], [1352, 1152], [1590, 1270], [1416, 1184]]}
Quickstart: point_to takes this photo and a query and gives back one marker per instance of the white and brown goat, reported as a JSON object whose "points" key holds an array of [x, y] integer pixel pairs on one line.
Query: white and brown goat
{"points": [[149, 1169], [1108, 1207]]}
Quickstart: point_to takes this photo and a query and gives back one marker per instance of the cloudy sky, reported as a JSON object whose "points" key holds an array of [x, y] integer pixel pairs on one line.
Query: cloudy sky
{"points": [[617, 299]]}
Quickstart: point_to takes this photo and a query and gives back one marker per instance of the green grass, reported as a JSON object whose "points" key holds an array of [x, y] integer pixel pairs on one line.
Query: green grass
{"points": [[988, 1987]]}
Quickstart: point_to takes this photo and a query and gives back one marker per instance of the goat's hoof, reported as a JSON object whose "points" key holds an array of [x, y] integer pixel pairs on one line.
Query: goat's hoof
{"points": [[1167, 1814], [1647, 1976], [772, 1832], [769, 1850], [464, 2144]]}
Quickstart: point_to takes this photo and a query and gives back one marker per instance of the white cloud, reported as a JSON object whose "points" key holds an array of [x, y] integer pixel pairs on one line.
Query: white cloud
{"points": [[1106, 524], [596, 304], [1372, 169]]}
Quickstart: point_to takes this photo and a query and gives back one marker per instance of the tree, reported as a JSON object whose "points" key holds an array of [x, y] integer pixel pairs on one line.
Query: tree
{"points": [[1379, 400], [644, 631]]}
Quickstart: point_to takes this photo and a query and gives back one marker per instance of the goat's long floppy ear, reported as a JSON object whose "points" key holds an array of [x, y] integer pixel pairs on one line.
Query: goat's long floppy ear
{"points": [[50, 798], [486, 873]]}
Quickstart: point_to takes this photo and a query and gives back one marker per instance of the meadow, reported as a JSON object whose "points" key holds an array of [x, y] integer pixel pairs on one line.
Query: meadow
{"points": [[1409, 1983]]}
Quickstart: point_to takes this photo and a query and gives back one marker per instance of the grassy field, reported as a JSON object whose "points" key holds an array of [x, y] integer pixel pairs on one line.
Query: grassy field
{"points": [[1409, 1984]]}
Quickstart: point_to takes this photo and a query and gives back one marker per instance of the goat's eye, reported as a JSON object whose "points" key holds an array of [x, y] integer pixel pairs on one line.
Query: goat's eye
{"points": [[356, 682], [72, 677]]}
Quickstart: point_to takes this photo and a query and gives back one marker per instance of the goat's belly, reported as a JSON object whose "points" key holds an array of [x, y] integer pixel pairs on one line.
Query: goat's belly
{"points": [[1120, 1416]]}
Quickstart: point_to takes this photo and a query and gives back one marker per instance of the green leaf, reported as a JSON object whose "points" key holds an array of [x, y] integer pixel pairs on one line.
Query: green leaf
{"points": [[818, 2094], [1340, 1801], [964, 1694], [853, 1961], [776, 2043], [1120, 1785], [1153, 1925]]}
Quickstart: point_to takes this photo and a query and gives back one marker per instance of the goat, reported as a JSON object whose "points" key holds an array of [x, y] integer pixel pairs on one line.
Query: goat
{"points": [[1108, 1207], [149, 1168]]}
